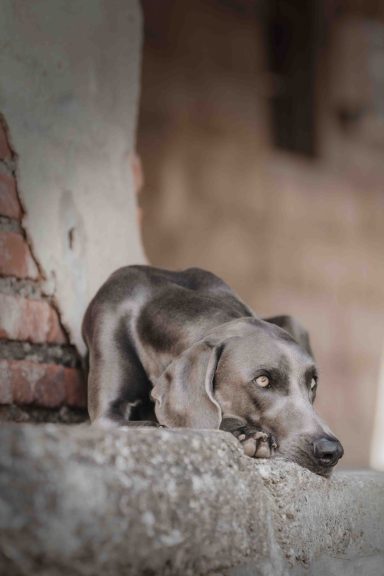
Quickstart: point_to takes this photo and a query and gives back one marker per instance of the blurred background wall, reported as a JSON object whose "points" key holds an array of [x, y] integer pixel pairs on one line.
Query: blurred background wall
{"points": [[261, 133]]}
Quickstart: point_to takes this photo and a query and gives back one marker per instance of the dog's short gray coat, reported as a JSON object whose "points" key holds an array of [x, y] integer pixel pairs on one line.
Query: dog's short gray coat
{"points": [[181, 349]]}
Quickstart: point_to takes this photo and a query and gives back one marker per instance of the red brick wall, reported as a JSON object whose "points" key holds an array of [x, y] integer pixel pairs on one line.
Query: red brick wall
{"points": [[39, 370]]}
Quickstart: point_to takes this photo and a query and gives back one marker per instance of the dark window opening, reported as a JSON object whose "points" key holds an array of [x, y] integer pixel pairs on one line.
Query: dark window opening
{"points": [[291, 31]]}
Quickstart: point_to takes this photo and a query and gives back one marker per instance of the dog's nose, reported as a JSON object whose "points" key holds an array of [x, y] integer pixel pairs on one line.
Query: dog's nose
{"points": [[327, 450]]}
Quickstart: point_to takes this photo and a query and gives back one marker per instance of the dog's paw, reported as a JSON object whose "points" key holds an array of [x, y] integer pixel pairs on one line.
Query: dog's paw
{"points": [[256, 443]]}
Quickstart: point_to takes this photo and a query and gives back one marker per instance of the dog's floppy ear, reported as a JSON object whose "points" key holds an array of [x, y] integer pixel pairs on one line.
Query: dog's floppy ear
{"points": [[184, 391], [295, 329]]}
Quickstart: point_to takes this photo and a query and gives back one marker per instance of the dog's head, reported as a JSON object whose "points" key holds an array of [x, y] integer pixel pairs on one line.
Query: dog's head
{"points": [[262, 372]]}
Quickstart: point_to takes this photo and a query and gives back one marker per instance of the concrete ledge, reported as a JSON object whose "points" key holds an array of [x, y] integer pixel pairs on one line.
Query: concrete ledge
{"points": [[76, 501]]}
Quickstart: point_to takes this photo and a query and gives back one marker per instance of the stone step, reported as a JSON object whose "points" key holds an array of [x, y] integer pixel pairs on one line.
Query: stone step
{"points": [[78, 501]]}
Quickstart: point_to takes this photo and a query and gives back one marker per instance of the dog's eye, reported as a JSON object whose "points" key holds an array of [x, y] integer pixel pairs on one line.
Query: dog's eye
{"points": [[262, 381], [313, 385]]}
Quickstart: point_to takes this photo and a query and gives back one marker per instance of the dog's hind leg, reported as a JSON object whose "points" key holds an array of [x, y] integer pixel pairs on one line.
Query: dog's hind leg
{"points": [[117, 383], [107, 423]]}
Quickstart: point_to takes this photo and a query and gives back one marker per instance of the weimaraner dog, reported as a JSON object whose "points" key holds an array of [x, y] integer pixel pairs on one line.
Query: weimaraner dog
{"points": [[180, 349]]}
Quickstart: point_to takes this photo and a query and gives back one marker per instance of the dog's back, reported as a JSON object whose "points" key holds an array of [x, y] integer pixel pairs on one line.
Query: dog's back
{"points": [[163, 301]]}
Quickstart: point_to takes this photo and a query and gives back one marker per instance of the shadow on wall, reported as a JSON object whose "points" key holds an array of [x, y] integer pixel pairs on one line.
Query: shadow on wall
{"points": [[290, 234]]}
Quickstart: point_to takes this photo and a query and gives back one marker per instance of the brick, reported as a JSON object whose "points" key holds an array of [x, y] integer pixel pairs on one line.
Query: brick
{"points": [[15, 256], [76, 389], [9, 203], [24, 382], [5, 149], [29, 320]]}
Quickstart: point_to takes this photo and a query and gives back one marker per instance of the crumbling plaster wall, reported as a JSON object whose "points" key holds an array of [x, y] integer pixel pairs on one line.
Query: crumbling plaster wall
{"points": [[69, 89]]}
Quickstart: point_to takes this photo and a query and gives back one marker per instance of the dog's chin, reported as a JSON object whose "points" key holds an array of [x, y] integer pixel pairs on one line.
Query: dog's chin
{"points": [[324, 471], [305, 461]]}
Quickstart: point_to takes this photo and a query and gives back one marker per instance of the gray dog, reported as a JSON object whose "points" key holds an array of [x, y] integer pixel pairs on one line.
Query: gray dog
{"points": [[180, 349]]}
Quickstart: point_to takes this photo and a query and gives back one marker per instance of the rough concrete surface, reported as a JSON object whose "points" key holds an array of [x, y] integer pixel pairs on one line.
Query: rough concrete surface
{"points": [[69, 88], [77, 501]]}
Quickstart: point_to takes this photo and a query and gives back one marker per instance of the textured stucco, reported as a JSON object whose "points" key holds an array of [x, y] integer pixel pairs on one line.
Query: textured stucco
{"points": [[69, 88], [76, 501]]}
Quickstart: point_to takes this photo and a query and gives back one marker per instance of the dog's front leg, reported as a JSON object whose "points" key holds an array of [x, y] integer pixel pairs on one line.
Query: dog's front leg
{"points": [[255, 442]]}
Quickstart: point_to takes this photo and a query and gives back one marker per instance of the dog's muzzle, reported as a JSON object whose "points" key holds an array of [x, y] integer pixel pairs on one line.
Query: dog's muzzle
{"points": [[317, 452], [327, 451]]}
